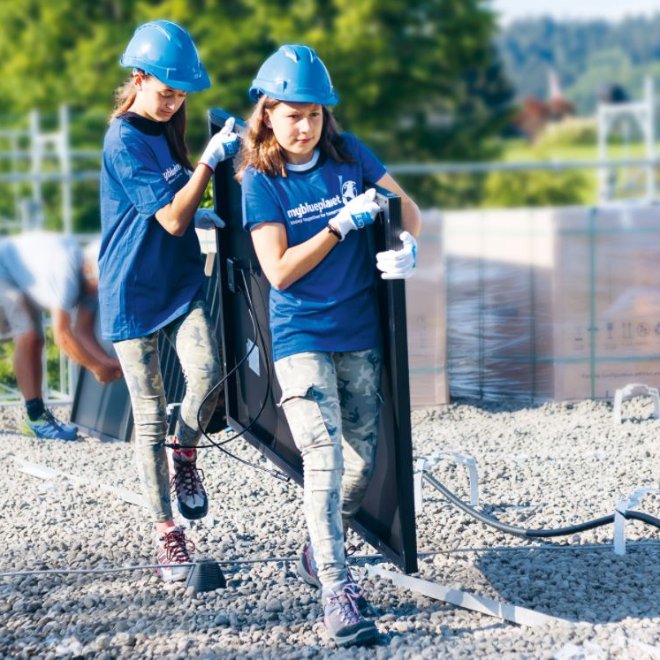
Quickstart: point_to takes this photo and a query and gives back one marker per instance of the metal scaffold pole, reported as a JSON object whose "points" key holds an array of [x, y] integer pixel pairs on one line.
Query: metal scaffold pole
{"points": [[624, 117], [32, 153]]}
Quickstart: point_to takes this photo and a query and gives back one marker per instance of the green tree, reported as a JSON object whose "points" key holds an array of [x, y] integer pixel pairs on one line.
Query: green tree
{"points": [[535, 188], [542, 187], [572, 48], [419, 80], [612, 64]]}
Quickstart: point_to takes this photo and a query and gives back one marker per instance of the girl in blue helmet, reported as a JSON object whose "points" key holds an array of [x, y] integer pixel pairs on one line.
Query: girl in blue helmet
{"points": [[304, 202], [151, 270]]}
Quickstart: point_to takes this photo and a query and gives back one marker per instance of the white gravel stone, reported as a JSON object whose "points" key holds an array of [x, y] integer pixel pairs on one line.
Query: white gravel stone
{"points": [[539, 467]]}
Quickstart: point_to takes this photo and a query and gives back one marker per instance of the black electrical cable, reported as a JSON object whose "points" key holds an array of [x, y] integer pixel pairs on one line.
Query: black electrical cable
{"points": [[278, 474], [453, 498], [640, 515], [218, 445], [220, 383], [535, 533], [258, 335]]}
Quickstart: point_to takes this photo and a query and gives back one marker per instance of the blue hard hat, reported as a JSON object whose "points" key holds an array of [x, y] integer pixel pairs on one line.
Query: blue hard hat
{"points": [[296, 74], [165, 50]]}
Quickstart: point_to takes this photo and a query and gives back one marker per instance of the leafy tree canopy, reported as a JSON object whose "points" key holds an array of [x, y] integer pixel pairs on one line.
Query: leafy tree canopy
{"points": [[419, 79], [588, 56]]}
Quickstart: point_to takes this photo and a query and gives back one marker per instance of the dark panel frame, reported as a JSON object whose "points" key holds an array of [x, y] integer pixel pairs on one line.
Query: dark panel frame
{"points": [[96, 407], [386, 519], [102, 411]]}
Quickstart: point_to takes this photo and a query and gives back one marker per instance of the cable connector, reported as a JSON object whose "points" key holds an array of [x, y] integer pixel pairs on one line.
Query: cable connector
{"points": [[232, 267]]}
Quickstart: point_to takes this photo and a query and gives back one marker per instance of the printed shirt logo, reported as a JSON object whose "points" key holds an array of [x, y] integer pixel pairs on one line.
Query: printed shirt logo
{"points": [[348, 191], [326, 207], [172, 172], [306, 212]]}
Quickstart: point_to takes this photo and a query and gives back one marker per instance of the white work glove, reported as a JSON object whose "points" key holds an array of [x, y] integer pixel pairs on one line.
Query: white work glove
{"points": [[359, 212], [208, 219], [206, 222], [224, 144], [399, 264]]}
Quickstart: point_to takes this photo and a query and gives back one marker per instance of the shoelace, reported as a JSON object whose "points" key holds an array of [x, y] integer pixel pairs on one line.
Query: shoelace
{"points": [[348, 611], [350, 549], [354, 589], [177, 547], [52, 419], [188, 477]]}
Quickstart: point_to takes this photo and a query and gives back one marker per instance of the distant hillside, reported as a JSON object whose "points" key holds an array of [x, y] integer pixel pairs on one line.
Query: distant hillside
{"points": [[586, 55]]}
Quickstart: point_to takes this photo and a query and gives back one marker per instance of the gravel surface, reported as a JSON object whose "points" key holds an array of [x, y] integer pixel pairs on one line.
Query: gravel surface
{"points": [[539, 467]]}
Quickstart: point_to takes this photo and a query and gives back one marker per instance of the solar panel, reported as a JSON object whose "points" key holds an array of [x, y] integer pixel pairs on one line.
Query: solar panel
{"points": [[386, 518], [104, 411]]}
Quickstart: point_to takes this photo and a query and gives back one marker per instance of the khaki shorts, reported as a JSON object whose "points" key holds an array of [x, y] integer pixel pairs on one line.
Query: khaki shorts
{"points": [[18, 315]]}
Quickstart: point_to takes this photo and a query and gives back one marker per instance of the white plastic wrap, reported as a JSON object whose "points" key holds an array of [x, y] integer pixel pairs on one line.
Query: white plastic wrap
{"points": [[551, 304]]}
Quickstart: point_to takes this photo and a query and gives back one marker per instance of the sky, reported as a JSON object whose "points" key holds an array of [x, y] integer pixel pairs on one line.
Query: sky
{"points": [[574, 9]]}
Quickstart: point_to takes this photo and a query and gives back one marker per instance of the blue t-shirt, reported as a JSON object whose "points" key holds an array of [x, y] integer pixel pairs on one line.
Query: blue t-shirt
{"points": [[333, 307], [147, 277]]}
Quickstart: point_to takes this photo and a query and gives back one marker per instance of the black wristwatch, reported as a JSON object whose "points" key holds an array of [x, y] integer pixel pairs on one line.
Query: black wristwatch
{"points": [[333, 231]]}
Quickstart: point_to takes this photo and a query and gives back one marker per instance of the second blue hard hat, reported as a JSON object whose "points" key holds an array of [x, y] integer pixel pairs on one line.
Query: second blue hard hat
{"points": [[165, 50], [296, 74]]}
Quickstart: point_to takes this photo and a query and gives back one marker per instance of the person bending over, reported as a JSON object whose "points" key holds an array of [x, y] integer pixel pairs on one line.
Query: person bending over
{"points": [[41, 271]]}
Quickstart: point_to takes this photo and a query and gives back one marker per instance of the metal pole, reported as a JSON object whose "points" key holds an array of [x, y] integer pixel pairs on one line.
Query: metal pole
{"points": [[649, 135], [15, 165], [36, 156], [64, 154], [603, 174]]}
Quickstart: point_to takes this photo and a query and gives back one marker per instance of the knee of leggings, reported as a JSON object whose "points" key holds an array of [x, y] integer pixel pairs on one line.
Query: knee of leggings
{"points": [[200, 383], [322, 458], [150, 433]]}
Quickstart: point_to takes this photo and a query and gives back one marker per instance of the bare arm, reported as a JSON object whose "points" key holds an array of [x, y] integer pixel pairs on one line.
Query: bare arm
{"points": [[67, 340], [284, 265], [84, 331], [177, 215], [411, 216]]}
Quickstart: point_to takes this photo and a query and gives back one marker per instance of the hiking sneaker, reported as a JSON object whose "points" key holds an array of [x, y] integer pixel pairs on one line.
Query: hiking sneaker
{"points": [[172, 549], [186, 482], [307, 571], [48, 427], [343, 620]]}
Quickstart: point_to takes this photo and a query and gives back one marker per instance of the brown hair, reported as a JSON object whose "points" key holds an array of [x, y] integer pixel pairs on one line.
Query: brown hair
{"points": [[262, 151], [175, 127]]}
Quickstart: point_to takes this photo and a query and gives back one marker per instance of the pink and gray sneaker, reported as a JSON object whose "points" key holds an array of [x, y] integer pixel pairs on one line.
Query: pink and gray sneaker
{"points": [[186, 482], [173, 552]]}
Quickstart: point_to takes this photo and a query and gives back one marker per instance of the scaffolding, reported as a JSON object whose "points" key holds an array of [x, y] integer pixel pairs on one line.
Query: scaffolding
{"points": [[623, 119], [31, 153]]}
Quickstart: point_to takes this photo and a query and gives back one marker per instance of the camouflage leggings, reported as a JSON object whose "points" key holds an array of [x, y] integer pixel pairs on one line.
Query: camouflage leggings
{"points": [[332, 403], [196, 347]]}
